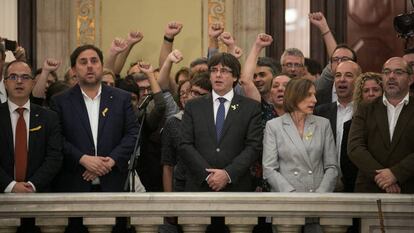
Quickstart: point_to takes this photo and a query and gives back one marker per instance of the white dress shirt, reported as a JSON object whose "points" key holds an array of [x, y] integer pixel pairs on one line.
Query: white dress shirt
{"points": [[3, 93], [14, 116], [394, 112], [92, 107], [343, 114], [216, 102]]}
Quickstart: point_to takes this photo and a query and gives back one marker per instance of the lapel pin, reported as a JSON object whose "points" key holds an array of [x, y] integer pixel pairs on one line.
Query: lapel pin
{"points": [[105, 111], [234, 106], [308, 136], [35, 128]]}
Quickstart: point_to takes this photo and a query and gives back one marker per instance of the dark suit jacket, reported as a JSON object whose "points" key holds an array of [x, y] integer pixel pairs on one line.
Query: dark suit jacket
{"points": [[324, 96], [117, 129], [44, 152], [238, 148], [329, 112], [370, 148]]}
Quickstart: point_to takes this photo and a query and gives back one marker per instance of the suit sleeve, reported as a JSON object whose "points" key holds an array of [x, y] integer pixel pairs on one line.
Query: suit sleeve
{"points": [[357, 144], [253, 145], [53, 157], [330, 160], [194, 161], [122, 152], [271, 166]]}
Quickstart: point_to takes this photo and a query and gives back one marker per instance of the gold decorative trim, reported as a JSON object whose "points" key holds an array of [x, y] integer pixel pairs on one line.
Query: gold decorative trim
{"points": [[217, 13], [85, 22]]}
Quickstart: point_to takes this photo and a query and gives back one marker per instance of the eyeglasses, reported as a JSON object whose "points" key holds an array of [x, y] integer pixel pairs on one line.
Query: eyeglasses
{"points": [[291, 65], [23, 77], [340, 59], [223, 71], [197, 93], [397, 72]]}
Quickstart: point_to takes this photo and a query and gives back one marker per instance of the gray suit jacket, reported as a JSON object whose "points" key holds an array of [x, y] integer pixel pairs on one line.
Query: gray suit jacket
{"points": [[292, 163]]}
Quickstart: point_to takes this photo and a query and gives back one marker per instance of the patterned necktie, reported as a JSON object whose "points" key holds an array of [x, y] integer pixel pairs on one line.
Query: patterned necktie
{"points": [[20, 148], [221, 112]]}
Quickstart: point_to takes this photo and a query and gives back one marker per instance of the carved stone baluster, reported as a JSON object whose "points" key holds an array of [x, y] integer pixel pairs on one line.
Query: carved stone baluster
{"points": [[99, 225], [52, 225], [9, 225], [146, 224], [288, 225], [335, 225], [194, 224], [241, 224]]}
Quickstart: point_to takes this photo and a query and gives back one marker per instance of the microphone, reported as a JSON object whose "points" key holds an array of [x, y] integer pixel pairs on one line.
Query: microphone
{"points": [[145, 102]]}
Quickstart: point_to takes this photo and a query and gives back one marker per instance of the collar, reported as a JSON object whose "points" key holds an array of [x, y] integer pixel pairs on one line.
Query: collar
{"points": [[349, 105], [405, 100], [13, 106], [97, 95], [228, 96]]}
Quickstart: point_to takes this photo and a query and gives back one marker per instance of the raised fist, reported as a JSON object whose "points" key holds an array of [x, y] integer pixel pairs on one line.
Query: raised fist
{"points": [[175, 56], [145, 67], [50, 65], [215, 30], [263, 40], [134, 37], [172, 29], [227, 39], [118, 45], [319, 21]]}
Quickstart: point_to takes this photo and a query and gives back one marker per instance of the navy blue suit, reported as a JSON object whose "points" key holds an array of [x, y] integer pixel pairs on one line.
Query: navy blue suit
{"points": [[117, 130]]}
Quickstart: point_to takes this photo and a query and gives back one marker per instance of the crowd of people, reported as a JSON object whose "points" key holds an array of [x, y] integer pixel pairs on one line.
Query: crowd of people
{"points": [[216, 125]]}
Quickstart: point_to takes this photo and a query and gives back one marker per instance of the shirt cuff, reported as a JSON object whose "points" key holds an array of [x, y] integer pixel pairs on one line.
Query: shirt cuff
{"points": [[227, 176], [34, 188], [10, 187]]}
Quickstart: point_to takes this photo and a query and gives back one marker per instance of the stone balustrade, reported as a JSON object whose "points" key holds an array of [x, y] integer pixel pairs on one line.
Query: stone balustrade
{"points": [[146, 210]]}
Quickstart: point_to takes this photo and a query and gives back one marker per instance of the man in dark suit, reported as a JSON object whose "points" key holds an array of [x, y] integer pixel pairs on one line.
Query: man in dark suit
{"points": [[340, 112], [27, 166], [219, 152], [222, 135], [99, 128], [381, 135]]}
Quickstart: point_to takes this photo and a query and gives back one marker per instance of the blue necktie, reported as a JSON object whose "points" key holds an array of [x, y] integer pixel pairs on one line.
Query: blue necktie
{"points": [[221, 112]]}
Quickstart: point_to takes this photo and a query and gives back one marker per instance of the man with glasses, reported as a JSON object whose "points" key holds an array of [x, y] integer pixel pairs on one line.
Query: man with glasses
{"points": [[30, 139], [221, 135], [325, 90], [380, 139], [293, 62]]}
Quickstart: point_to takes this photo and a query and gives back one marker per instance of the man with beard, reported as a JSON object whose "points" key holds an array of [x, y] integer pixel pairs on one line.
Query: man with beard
{"points": [[341, 111], [99, 130], [380, 139]]}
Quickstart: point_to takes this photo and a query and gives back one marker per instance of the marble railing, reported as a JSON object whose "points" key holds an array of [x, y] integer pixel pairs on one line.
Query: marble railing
{"points": [[147, 210]]}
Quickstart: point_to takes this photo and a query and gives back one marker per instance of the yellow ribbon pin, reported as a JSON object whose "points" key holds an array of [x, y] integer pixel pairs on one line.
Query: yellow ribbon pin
{"points": [[35, 128], [308, 136], [104, 112]]}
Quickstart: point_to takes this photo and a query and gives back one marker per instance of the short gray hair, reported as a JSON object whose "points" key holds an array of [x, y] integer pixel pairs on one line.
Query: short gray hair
{"points": [[292, 52]]}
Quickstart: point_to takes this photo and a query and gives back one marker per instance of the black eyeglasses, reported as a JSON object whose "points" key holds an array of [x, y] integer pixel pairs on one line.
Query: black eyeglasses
{"points": [[22, 77], [340, 59]]}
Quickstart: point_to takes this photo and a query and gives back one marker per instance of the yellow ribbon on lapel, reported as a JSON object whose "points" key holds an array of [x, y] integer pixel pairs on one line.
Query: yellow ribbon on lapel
{"points": [[104, 112], [35, 128]]}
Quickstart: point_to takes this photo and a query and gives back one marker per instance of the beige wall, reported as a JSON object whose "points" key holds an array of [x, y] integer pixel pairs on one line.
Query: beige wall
{"points": [[151, 17]]}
